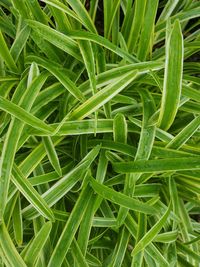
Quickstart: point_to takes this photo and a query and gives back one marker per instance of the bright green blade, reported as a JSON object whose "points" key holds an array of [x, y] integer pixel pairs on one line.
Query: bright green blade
{"points": [[160, 165], [172, 77], [58, 39], [6, 55], [102, 97], [32, 253], [120, 129], [31, 194], [71, 227], [149, 236], [59, 189], [8, 248], [144, 46], [121, 199], [52, 155]]}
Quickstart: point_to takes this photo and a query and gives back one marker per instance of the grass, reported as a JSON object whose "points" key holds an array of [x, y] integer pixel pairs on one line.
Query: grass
{"points": [[99, 136]]}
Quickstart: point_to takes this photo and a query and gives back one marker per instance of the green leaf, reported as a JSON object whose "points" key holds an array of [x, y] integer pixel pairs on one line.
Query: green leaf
{"points": [[166, 237], [58, 73], [21, 7], [147, 31], [106, 77], [88, 58], [136, 25], [25, 99], [70, 228], [52, 155], [8, 248], [31, 194], [120, 249], [6, 55], [167, 10], [183, 16], [148, 132], [149, 236], [102, 97], [17, 222], [86, 224], [83, 35], [181, 138], [77, 254], [19, 43], [34, 249], [56, 38], [24, 116], [59, 189], [50, 176], [121, 199], [184, 249], [37, 11], [159, 165], [99, 131], [81, 12], [33, 73], [150, 249], [120, 129], [172, 77]]}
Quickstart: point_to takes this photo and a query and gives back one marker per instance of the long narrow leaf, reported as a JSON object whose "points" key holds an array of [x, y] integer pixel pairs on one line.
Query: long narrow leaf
{"points": [[59, 189], [70, 228], [9, 249], [37, 244], [58, 39], [151, 233], [160, 165], [31, 194], [173, 77], [102, 97], [121, 199], [5, 54]]}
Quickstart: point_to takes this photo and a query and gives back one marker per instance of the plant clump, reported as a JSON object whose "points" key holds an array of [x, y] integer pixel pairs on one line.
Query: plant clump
{"points": [[99, 136]]}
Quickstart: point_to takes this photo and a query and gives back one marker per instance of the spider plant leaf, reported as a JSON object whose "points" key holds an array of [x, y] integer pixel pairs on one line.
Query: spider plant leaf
{"points": [[172, 77]]}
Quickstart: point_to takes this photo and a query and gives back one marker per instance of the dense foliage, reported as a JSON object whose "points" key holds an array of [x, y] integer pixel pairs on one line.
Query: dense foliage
{"points": [[99, 136]]}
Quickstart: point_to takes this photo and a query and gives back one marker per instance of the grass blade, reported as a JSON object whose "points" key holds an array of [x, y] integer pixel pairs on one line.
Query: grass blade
{"points": [[120, 248], [31, 194], [24, 116], [25, 99], [147, 30], [88, 58], [19, 43], [5, 54], [71, 227], [80, 35], [63, 79], [120, 129], [56, 38], [102, 97], [121, 199], [173, 77], [32, 253], [185, 134], [160, 165], [136, 24], [81, 12], [99, 132], [52, 155], [17, 222], [150, 235], [59, 189], [8, 248], [77, 254]]}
